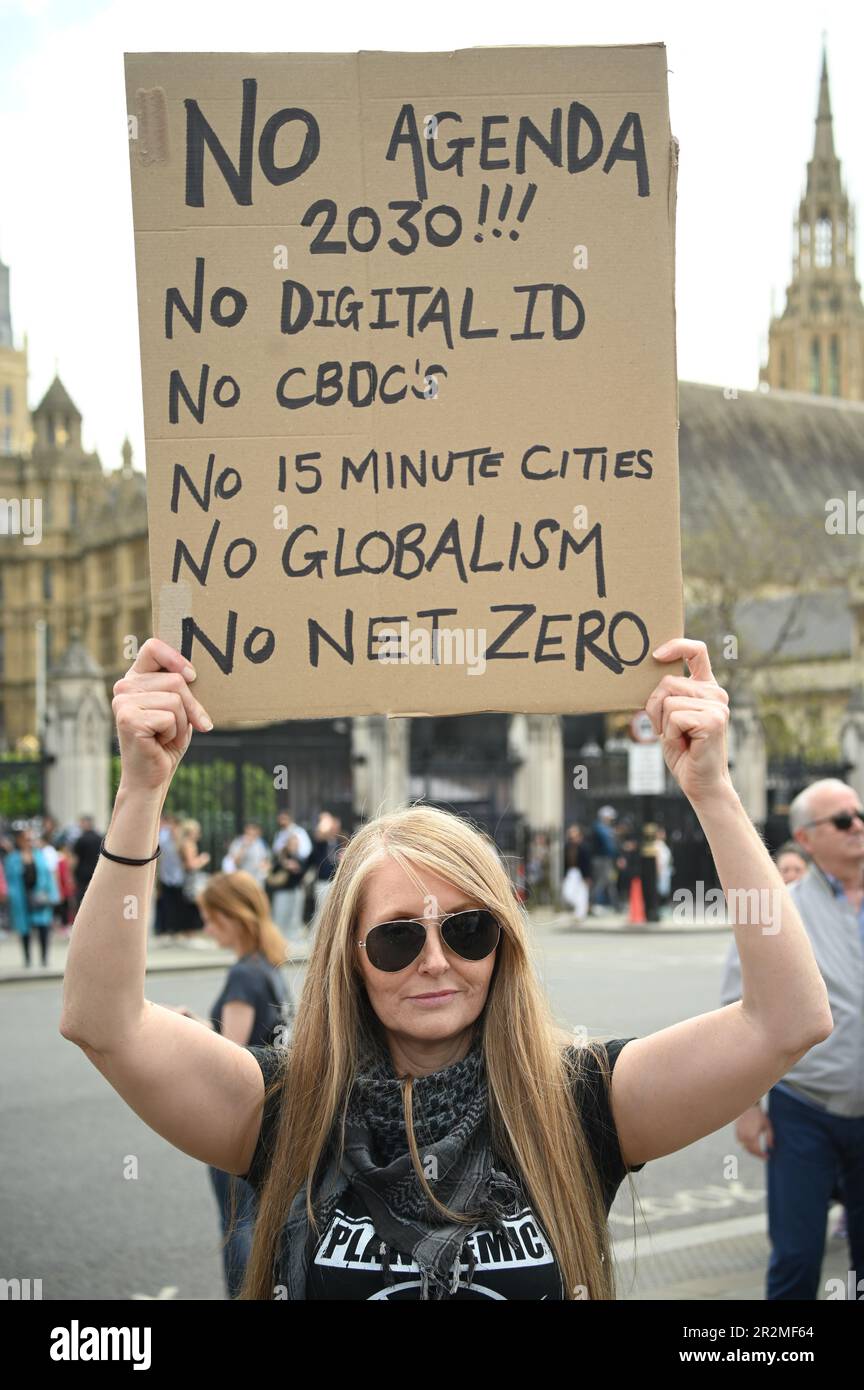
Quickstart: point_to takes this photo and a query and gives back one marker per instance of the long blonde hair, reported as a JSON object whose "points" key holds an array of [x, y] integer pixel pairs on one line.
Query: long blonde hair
{"points": [[531, 1070]]}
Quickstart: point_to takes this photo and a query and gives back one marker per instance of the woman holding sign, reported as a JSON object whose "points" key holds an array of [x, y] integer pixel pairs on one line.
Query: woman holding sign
{"points": [[430, 1132]]}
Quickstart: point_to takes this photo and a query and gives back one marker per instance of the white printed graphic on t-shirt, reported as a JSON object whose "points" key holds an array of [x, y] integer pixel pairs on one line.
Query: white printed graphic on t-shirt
{"points": [[352, 1244]]}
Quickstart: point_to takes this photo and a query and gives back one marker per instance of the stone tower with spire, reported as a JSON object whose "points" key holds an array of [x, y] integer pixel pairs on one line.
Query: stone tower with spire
{"points": [[15, 431], [817, 343]]}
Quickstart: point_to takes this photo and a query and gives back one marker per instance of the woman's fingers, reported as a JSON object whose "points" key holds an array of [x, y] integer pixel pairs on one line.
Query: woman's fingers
{"points": [[693, 652], [148, 704], [671, 686], [171, 681], [156, 655], [694, 718]]}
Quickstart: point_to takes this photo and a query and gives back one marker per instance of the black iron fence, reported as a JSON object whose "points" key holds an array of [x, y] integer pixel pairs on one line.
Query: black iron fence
{"points": [[227, 779]]}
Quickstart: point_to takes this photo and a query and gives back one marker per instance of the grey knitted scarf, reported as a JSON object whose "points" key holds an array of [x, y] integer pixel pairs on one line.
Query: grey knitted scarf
{"points": [[451, 1127]]}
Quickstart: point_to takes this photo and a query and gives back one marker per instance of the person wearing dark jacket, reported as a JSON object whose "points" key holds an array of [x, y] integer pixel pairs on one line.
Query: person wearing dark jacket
{"points": [[327, 844], [576, 888], [86, 851]]}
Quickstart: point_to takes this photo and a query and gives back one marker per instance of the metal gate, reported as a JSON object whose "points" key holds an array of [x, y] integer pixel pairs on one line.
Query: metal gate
{"points": [[229, 778], [462, 763]]}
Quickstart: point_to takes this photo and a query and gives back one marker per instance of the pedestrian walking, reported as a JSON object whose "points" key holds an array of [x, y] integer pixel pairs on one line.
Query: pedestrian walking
{"points": [[285, 883], [33, 893], [576, 888], [194, 863], [86, 848], [648, 871], [288, 827], [254, 1008], [66, 885], [604, 853], [810, 1131], [327, 846], [170, 915], [44, 841], [249, 852], [426, 1070]]}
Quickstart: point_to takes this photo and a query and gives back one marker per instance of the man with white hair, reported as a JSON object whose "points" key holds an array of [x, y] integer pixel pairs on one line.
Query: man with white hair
{"points": [[813, 1127]]}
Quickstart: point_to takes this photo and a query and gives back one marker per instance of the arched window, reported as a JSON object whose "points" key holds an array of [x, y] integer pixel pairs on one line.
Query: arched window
{"points": [[815, 368], [834, 367], [823, 240]]}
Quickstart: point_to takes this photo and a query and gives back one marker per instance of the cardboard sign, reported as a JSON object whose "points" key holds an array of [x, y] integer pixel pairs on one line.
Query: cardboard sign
{"points": [[407, 330]]}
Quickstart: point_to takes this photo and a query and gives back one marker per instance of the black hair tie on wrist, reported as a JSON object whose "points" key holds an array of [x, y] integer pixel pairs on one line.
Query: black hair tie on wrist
{"points": [[119, 859]]}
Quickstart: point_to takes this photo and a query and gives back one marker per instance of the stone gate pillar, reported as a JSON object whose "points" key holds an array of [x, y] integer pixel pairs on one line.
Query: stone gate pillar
{"points": [[538, 783], [78, 728], [381, 762], [747, 755]]}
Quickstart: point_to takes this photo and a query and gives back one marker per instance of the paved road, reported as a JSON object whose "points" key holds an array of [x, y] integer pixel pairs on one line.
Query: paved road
{"points": [[69, 1216]]}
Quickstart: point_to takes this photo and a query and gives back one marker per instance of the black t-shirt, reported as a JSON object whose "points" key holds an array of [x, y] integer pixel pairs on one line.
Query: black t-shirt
{"points": [[324, 858], [86, 850], [346, 1262], [578, 857], [253, 980]]}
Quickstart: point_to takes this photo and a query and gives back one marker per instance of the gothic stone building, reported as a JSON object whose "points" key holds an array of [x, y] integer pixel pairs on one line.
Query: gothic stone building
{"points": [[777, 595]]}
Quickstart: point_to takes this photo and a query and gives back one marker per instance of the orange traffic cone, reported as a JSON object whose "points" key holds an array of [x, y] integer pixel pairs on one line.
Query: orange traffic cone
{"points": [[637, 903]]}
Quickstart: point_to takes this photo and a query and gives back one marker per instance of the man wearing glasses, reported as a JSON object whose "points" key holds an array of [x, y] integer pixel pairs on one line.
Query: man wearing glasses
{"points": [[813, 1127]]}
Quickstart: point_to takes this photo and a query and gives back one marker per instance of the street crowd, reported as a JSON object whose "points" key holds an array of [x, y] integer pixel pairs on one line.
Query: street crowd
{"points": [[45, 870]]}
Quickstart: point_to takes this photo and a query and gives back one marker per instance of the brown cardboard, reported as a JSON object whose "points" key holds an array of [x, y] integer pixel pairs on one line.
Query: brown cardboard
{"points": [[611, 385]]}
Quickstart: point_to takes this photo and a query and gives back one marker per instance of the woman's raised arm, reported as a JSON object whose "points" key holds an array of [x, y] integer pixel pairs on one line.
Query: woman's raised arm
{"points": [[677, 1085], [201, 1092]]}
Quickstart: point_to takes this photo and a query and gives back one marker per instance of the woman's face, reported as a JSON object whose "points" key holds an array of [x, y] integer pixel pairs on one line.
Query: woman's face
{"points": [[223, 930], [461, 985], [791, 867]]}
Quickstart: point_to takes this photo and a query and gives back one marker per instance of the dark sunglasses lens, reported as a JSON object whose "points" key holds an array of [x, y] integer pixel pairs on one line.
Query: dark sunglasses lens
{"points": [[394, 945], [844, 821], [472, 935]]}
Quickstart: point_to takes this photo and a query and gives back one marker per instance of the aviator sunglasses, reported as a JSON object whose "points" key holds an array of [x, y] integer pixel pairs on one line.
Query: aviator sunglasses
{"points": [[843, 820], [472, 934]]}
